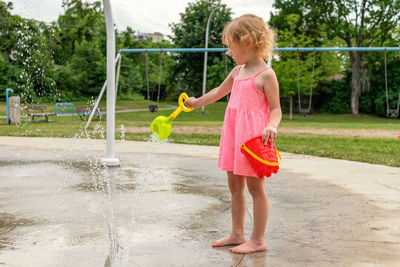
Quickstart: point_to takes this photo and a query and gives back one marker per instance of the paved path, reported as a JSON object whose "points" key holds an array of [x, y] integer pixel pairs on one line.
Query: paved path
{"points": [[55, 209]]}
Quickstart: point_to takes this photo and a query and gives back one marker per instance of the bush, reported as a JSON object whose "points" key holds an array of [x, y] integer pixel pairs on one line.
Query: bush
{"points": [[334, 96]]}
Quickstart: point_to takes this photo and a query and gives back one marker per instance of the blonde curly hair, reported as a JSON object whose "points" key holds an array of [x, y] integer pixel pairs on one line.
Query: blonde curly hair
{"points": [[250, 30]]}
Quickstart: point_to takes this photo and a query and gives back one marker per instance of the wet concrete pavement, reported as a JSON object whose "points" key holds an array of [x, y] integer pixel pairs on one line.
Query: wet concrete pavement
{"points": [[164, 207]]}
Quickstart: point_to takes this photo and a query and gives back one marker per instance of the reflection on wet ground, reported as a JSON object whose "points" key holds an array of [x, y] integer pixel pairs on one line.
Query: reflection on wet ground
{"points": [[8, 223], [163, 210]]}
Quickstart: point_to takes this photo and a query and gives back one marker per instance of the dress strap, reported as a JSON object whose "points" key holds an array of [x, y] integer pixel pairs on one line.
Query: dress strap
{"points": [[260, 71], [237, 72]]}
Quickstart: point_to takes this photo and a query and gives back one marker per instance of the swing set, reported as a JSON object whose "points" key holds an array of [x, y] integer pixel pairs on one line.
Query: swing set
{"points": [[393, 113], [390, 112], [153, 108], [305, 111]]}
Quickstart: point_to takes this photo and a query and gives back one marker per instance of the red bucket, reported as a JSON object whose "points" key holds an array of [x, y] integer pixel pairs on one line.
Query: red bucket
{"points": [[263, 158]]}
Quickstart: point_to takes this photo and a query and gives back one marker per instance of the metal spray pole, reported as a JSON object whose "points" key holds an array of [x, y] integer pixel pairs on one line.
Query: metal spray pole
{"points": [[110, 159]]}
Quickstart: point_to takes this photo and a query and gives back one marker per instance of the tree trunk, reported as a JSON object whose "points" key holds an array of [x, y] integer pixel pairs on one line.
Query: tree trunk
{"points": [[355, 82], [291, 107]]}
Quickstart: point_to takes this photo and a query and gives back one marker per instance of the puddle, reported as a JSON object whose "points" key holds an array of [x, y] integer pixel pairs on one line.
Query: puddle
{"points": [[6, 163], [220, 193], [8, 223], [91, 187]]}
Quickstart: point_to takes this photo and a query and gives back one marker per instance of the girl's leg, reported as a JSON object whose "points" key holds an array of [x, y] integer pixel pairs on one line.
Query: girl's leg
{"points": [[238, 208], [256, 187]]}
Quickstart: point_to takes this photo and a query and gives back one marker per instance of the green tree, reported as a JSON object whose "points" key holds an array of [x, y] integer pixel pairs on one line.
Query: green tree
{"points": [[79, 45], [190, 33], [9, 25], [286, 65], [82, 21], [26, 57], [358, 23], [85, 73], [131, 79], [6, 44], [6, 27]]}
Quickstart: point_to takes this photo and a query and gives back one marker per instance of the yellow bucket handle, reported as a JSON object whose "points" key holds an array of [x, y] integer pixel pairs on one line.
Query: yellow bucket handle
{"points": [[182, 96], [261, 160], [185, 97]]}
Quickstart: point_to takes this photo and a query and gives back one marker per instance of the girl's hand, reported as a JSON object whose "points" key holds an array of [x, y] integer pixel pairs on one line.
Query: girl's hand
{"points": [[191, 101], [270, 132]]}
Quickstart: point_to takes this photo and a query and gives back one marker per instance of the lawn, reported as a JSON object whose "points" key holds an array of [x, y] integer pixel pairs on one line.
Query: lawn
{"points": [[120, 105], [373, 150], [342, 121]]}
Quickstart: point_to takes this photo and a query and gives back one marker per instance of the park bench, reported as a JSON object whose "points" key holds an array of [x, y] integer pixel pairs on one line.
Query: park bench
{"points": [[32, 108], [86, 110]]}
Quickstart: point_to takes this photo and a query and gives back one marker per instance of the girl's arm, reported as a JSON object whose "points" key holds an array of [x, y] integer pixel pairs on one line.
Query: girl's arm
{"points": [[271, 89], [214, 94]]}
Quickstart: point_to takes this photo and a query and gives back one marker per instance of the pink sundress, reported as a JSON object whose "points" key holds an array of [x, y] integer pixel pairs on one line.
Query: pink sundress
{"points": [[246, 116]]}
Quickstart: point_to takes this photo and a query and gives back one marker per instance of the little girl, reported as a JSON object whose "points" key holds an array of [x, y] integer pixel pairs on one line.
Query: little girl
{"points": [[253, 109]]}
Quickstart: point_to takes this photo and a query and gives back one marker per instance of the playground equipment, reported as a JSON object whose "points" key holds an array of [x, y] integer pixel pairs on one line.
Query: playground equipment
{"points": [[162, 125], [393, 113], [305, 111], [262, 158], [153, 108], [64, 108]]}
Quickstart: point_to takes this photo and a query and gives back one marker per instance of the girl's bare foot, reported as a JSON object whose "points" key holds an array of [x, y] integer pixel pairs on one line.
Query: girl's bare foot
{"points": [[249, 247], [229, 240]]}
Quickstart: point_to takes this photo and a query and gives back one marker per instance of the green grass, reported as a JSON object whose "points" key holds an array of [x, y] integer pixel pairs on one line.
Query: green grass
{"points": [[213, 116], [373, 150], [342, 121], [120, 105], [64, 127]]}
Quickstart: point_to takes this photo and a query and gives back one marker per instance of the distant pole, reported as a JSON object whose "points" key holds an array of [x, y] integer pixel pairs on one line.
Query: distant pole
{"points": [[206, 54], [110, 159], [7, 111]]}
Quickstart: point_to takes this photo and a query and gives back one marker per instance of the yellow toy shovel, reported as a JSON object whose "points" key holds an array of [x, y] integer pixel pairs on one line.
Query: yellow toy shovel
{"points": [[162, 125]]}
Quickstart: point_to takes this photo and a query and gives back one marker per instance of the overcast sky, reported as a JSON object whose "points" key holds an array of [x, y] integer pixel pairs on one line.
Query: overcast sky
{"points": [[141, 15]]}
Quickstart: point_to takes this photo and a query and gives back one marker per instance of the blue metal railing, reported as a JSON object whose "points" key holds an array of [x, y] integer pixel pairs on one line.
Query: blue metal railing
{"points": [[64, 108]]}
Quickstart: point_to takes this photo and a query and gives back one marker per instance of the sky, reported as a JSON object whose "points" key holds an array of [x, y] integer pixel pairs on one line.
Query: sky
{"points": [[141, 15]]}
